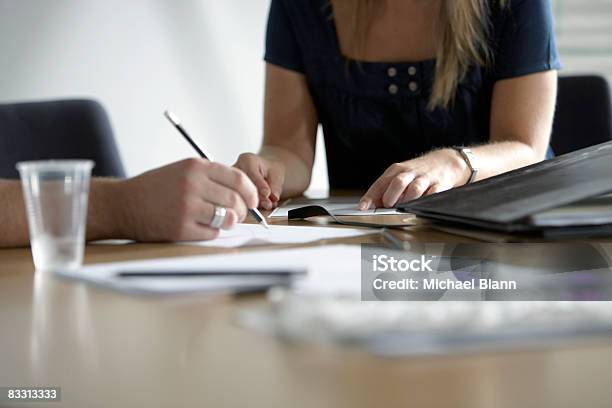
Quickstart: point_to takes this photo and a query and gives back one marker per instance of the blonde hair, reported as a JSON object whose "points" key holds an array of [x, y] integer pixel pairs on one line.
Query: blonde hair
{"points": [[463, 42]]}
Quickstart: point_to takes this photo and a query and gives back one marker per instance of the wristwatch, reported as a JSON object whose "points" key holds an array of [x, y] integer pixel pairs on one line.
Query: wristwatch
{"points": [[470, 159]]}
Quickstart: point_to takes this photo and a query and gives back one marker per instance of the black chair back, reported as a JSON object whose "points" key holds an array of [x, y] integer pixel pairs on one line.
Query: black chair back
{"points": [[584, 114], [66, 129]]}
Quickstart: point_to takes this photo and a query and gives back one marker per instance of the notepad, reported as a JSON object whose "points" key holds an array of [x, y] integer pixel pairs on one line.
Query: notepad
{"points": [[340, 206], [245, 235]]}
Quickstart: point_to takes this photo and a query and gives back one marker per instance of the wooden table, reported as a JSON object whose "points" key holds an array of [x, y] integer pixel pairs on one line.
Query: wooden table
{"points": [[106, 349]]}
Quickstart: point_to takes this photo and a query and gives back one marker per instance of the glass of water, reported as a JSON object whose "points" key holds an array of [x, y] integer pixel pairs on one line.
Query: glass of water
{"points": [[55, 194]]}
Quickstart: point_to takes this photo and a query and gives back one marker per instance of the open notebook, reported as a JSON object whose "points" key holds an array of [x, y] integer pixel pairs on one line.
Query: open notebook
{"points": [[340, 206]]}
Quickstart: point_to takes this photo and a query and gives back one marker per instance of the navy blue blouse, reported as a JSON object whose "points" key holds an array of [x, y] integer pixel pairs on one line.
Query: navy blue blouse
{"points": [[376, 114]]}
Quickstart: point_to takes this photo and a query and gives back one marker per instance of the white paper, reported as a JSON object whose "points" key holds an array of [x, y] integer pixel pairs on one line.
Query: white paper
{"points": [[332, 269], [243, 235], [346, 206]]}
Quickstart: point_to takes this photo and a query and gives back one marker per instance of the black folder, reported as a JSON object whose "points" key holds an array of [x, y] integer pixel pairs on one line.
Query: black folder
{"points": [[566, 196]]}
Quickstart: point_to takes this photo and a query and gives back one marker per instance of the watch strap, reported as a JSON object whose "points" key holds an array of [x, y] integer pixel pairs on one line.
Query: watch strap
{"points": [[470, 159]]}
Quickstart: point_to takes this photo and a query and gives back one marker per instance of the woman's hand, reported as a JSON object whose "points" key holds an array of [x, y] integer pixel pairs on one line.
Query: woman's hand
{"points": [[177, 202], [268, 176], [437, 171]]}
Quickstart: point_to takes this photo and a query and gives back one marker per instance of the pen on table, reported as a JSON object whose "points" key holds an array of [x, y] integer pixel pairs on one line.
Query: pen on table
{"points": [[177, 124], [220, 273]]}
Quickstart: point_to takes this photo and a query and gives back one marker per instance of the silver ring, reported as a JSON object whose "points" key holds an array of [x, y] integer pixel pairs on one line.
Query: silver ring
{"points": [[218, 218]]}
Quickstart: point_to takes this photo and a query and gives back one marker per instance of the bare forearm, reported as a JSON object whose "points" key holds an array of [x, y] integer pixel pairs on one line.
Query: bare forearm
{"points": [[13, 223], [290, 127], [522, 114], [104, 215], [106, 209], [500, 157], [297, 172]]}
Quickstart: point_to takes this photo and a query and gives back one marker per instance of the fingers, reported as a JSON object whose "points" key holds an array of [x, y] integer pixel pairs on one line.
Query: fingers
{"points": [[437, 188], [194, 222], [396, 188], [404, 186], [265, 202], [374, 194], [195, 231], [268, 178], [254, 168], [388, 191], [276, 179], [191, 221], [207, 213], [223, 196], [417, 188], [235, 180]]}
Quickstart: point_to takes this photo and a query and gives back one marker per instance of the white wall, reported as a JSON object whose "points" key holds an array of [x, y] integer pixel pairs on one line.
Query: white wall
{"points": [[199, 58], [584, 35]]}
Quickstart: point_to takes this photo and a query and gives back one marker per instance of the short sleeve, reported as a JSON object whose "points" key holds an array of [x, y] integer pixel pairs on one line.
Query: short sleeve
{"points": [[526, 40], [282, 46]]}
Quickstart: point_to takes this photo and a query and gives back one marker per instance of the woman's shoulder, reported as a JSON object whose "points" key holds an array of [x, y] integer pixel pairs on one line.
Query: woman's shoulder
{"points": [[523, 37], [508, 17], [306, 8], [308, 19], [519, 10]]}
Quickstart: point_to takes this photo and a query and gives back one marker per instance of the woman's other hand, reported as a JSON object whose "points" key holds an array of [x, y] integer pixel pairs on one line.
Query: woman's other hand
{"points": [[268, 176], [434, 172]]}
